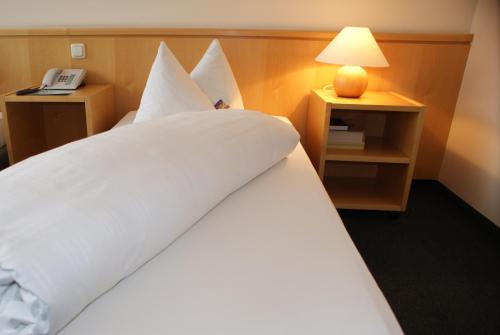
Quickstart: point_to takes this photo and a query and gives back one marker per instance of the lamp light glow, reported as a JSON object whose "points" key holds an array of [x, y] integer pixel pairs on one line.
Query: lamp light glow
{"points": [[353, 47]]}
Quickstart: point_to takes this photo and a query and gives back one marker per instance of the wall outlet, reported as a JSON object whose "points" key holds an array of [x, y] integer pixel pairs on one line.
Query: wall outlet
{"points": [[77, 50]]}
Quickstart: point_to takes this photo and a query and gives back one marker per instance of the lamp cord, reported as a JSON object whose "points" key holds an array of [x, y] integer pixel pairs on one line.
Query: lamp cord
{"points": [[328, 87]]}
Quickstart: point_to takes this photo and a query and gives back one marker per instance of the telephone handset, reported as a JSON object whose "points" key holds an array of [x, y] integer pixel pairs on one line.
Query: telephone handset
{"points": [[58, 79]]}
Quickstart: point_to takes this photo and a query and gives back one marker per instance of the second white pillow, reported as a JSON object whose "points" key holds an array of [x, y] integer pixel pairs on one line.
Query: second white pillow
{"points": [[214, 76], [170, 89]]}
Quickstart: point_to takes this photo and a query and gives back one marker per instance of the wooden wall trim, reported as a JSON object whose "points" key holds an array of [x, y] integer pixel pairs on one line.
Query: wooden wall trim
{"points": [[275, 69], [237, 33]]}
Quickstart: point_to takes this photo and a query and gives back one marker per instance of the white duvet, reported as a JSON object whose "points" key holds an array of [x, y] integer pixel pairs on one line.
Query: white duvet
{"points": [[78, 219]]}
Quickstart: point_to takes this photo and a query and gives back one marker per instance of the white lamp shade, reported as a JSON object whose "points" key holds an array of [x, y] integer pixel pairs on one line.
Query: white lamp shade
{"points": [[353, 46]]}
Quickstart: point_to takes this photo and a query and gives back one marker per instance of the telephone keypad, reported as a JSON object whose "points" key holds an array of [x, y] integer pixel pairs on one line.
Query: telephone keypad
{"points": [[66, 78]]}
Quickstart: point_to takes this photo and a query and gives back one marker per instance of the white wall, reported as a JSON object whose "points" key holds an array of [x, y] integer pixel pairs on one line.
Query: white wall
{"points": [[471, 166], [432, 16]]}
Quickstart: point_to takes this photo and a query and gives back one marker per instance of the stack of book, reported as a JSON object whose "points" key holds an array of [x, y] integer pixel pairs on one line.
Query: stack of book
{"points": [[341, 137]]}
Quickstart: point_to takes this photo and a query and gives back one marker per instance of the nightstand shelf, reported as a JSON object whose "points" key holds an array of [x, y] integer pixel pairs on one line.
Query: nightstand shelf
{"points": [[379, 176], [34, 124], [377, 150], [361, 193]]}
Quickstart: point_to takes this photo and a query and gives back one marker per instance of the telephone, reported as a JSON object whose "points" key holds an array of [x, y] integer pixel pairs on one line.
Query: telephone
{"points": [[67, 79]]}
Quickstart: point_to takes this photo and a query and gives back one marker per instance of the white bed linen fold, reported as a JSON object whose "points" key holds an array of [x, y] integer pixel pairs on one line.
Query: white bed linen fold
{"points": [[273, 258], [126, 120], [78, 219]]}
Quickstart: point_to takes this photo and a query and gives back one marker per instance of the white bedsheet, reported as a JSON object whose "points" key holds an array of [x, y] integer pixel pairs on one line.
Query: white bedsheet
{"points": [[272, 258]]}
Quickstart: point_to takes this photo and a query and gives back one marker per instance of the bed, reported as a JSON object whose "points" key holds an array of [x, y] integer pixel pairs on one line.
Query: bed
{"points": [[272, 258], [193, 220]]}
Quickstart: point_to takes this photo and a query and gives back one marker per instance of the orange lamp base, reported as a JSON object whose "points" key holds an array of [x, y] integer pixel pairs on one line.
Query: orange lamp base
{"points": [[350, 81]]}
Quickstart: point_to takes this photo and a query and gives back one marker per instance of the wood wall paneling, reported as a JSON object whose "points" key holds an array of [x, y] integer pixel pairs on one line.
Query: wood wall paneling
{"points": [[15, 69], [274, 69]]}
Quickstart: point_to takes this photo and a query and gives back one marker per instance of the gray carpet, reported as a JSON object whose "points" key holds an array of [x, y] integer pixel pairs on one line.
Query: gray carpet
{"points": [[438, 264]]}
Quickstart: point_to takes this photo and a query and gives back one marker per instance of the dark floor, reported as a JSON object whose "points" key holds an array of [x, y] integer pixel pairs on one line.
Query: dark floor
{"points": [[4, 159], [438, 263]]}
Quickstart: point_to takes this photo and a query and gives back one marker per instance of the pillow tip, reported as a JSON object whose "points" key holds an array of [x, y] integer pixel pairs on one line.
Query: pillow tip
{"points": [[215, 46]]}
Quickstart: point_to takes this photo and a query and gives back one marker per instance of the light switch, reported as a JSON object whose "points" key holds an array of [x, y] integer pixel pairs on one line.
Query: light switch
{"points": [[77, 50]]}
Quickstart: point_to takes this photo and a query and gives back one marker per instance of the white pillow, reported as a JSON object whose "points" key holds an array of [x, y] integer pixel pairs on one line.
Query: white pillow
{"points": [[214, 76], [170, 89]]}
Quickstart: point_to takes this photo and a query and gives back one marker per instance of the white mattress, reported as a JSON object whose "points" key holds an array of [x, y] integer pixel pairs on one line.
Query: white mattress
{"points": [[273, 258]]}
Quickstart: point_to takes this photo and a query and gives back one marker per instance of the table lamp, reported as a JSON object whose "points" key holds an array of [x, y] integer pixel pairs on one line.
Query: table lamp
{"points": [[353, 48]]}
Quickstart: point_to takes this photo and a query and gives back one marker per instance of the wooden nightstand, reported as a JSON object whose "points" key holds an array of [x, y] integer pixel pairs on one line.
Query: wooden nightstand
{"points": [[34, 124], [379, 176]]}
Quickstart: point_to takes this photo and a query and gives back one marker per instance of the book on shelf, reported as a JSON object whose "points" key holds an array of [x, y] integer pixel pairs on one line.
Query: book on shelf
{"points": [[346, 137], [338, 124]]}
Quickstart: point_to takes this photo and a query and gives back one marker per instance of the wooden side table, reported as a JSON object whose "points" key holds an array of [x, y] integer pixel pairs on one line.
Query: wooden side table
{"points": [[379, 176], [34, 124]]}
